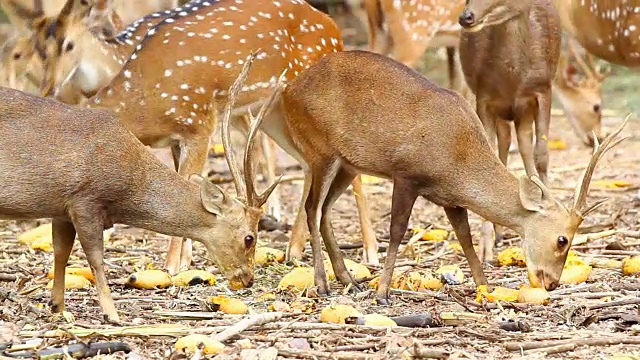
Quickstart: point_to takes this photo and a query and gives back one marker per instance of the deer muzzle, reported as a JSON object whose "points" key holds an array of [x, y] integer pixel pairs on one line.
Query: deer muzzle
{"points": [[240, 279], [543, 279]]}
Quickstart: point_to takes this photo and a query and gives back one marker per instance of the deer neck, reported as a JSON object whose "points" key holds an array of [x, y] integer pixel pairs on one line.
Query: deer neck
{"points": [[167, 206]]}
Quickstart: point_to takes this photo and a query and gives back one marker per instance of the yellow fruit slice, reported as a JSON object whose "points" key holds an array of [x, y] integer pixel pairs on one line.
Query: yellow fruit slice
{"points": [[229, 305], [575, 274], [536, 296], [28, 237], [300, 278], [513, 256], [378, 320], [72, 282], [192, 342], [84, 272], [611, 184], [193, 277], [557, 145], [268, 256], [498, 293], [357, 270], [631, 265], [149, 279], [337, 313]]}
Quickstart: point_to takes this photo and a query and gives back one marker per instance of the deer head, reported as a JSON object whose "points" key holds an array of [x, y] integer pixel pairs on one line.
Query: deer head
{"points": [[549, 231], [479, 14], [237, 226], [581, 94]]}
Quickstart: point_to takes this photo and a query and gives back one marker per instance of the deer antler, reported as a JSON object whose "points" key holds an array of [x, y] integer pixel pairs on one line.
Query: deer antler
{"points": [[255, 199], [580, 197], [244, 185], [590, 69]]}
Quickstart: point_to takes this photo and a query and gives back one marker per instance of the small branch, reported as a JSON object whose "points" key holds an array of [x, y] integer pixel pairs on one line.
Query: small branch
{"points": [[314, 354], [577, 342], [552, 349], [630, 301], [8, 277], [242, 325]]}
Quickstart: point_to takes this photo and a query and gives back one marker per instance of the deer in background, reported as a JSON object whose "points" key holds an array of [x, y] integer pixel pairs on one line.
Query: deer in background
{"points": [[333, 120], [404, 30], [164, 101], [509, 54], [87, 191], [580, 92]]}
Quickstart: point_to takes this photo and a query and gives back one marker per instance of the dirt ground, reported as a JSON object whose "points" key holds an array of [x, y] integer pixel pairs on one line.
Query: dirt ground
{"points": [[592, 320]]}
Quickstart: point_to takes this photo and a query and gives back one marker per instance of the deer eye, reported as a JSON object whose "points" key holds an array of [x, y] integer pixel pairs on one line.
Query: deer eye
{"points": [[249, 241], [562, 241], [69, 47], [596, 108], [17, 56]]}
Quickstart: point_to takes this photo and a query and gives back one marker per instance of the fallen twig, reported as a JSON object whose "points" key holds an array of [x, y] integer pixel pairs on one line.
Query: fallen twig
{"points": [[630, 301], [242, 325], [523, 346], [8, 277], [314, 354]]}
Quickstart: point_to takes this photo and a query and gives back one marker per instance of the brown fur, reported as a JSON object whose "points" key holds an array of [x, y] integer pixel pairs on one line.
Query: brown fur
{"points": [[509, 59], [79, 185], [338, 135]]}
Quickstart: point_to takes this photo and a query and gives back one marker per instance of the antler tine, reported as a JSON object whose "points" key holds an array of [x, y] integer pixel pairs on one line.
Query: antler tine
{"points": [[583, 65], [600, 149], [241, 188], [257, 200]]}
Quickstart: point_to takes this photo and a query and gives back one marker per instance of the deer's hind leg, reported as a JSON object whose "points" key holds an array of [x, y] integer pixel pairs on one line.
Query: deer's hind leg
{"points": [[340, 182], [63, 236], [542, 122]]}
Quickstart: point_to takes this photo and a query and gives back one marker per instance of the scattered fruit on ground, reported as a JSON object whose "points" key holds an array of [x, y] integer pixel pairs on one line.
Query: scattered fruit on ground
{"points": [[191, 343], [631, 265], [279, 306], [557, 144], [149, 279], [268, 256], [303, 305], [498, 293], [357, 270], [513, 256], [73, 282], [229, 305], [414, 280], [575, 273], [610, 184], [450, 274], [29, 236], [531, 295], [433, 234], [193, 277], [337, 313], [378, 320], [300, 278], [84, 272]]}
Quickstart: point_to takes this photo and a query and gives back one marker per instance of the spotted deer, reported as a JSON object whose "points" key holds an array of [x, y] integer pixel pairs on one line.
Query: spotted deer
{"points": [[612, 24], [164, 100], [405, 29], [87, 191], [509, 54], [445, 158], [578, 86]]}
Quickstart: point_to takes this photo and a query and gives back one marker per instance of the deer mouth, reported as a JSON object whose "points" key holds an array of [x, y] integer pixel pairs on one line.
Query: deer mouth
{"points": [[479, 25]]}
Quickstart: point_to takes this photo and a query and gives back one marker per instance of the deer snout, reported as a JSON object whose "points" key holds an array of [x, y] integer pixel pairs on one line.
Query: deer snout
{"points": [[544, 279], [241, 280], [467, 18]]}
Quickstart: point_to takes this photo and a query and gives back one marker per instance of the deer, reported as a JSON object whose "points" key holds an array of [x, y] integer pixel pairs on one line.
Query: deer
{"points": [[164, 102], [509, 54], [612, 28], [580, 92], [87, 191], [446, 158]]}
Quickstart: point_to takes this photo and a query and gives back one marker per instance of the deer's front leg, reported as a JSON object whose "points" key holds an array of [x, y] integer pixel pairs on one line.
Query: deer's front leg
{"points": [[542, 122]]}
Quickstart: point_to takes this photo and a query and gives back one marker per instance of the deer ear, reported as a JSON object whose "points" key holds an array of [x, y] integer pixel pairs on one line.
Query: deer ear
{"points": [[531, 194], [211, 195]]}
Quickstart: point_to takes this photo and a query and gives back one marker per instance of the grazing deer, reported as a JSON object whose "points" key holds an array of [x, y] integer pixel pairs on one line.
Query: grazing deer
{"points": [[581, 94], [446, 158], [87, 191], [164, 100], [509, 54]]}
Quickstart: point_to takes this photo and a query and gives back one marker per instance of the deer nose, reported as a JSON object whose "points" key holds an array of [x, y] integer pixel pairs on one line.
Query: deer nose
{"points": [[248, 283], [467, 18], [549, 282]]}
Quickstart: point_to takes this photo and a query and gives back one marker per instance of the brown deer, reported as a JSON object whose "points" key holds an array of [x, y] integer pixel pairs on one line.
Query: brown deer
{"points": [[580, 92], [87, 191], [446, 158], [509, 54], [164, 101]]}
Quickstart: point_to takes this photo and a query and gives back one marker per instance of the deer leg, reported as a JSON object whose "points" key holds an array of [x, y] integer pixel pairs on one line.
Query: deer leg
{"points": [[274, 206], [90, 236], [369, 242], [300, 230], [451, 64], [321, 178], [504, 142], [341, 181], [459, 219], [176, 245], [403, 198], [488, 122], [542, 121], [63, 236], [524, 133]]}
